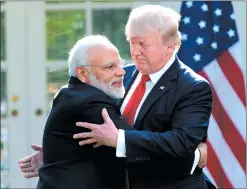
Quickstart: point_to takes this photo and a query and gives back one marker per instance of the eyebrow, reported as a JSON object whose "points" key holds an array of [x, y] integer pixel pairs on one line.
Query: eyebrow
{"points": [[108, 63], [145, 41]]}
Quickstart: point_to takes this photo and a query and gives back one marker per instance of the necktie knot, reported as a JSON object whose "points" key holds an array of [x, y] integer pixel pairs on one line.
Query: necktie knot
{"points": [[145, 78]]}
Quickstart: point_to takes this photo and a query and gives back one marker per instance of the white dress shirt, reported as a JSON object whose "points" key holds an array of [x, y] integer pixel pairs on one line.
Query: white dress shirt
{"points": [[154, 78]]}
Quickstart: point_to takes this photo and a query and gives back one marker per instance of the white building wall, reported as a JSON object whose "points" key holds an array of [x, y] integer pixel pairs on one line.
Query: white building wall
{"points": [[26, 81]]}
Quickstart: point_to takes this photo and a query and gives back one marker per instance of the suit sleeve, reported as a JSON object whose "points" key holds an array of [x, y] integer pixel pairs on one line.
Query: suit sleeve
{"points": [[105, 157], [92, 113], [189, 127]]}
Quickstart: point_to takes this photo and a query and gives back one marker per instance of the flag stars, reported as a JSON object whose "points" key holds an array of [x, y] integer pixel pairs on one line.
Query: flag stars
{"points": [[189, 4], [186, 20], [232, 16], [202, 24], [199, 41], [231, 33], [197, 57], [218, 12], [214, 45], [216, 28], [204, 7], [184, 36]]}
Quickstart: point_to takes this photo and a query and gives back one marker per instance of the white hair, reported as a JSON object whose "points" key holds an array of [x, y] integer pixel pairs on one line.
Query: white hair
{"points": [[148, 17], [78, 55]]}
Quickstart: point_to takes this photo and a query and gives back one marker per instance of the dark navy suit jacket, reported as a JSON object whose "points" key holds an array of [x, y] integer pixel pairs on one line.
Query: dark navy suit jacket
{"points": [[67, 165], [177, 112]]}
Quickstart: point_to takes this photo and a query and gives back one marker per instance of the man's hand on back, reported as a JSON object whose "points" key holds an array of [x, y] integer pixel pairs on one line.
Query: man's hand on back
{"points": [[203, 152], [30, 164], [105, 134]]}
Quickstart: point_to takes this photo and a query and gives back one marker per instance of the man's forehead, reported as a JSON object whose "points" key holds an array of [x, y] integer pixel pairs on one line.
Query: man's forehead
{"points": [[100, 49], [96, 48], [138, 37], [142, 38], [103, 55], [145, 35], [144, 31]]}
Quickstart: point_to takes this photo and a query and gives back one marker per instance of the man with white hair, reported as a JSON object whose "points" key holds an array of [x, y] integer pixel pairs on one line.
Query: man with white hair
{"points": [[167, 102], [96, 76]]}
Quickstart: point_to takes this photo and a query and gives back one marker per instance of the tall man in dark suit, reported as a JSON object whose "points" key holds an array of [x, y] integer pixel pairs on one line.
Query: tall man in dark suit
{"points": [[96, 76], [167, 102]]}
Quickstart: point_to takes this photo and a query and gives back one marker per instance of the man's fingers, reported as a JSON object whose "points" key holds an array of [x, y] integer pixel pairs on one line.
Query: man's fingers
{"points": [[25, 165], [106, 116], [36, 147], [25, 159], [31, 175], [202, 146], [85, 125], [97, 145], [88, 141], [83, 135], [27, 170]]}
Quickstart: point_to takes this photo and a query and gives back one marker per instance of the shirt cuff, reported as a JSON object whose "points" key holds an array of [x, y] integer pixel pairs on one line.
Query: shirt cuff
{"points": [[196, 160], [121, 148]]}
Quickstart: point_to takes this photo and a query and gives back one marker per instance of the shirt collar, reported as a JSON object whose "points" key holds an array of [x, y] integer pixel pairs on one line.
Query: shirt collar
{"points": [[154, 77]]}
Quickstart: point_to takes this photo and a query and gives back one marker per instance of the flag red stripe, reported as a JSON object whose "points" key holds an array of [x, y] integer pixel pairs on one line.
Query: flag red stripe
{"points": [[229, 131], [233, 74], [216, 170]]}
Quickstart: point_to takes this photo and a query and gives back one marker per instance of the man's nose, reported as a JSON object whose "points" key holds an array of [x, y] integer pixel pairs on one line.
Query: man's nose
{"points": [[120, 71], [135, 50]]}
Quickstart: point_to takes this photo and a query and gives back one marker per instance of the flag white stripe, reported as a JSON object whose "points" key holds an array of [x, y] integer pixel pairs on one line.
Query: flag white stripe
{"points": [[237, 55], [227, 96], [228, 161]]}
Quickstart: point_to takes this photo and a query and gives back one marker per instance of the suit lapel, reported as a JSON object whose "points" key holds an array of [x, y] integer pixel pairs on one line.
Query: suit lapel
{"points": [[164, 84]]}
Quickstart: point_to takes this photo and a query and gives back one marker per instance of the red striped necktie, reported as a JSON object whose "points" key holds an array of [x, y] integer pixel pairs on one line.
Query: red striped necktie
{"points": [[135, 99]]}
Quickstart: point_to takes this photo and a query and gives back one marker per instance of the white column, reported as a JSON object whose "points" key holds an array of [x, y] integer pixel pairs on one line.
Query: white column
{"points": [[16, 86], [37, 83], [26, 80], [89, 18]]}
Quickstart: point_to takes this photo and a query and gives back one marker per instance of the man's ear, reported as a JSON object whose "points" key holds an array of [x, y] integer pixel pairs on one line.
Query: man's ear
{"points": [[82, 74], [170, 47]]}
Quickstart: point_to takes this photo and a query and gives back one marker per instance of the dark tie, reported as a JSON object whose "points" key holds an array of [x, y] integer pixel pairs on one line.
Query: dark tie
{"points": [[135, 99]]}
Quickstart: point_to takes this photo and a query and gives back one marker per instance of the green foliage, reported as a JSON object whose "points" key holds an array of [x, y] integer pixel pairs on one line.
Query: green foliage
{"points": [[3, 91], [3, 37], [83, 1], [58, 76], [63, 29], [63, 1], [110, 1], [56, 79], [3, 85], [112, 23]]}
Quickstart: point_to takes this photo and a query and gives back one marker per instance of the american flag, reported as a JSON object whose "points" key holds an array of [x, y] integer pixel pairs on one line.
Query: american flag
{"points": [[210, 46]]}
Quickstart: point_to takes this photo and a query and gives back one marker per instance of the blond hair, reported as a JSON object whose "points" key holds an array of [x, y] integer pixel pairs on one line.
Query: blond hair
{"points": [[148, 17]]}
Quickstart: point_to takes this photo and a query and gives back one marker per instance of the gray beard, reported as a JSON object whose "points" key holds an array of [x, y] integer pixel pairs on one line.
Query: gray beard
{"points": [[107, 88]]}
